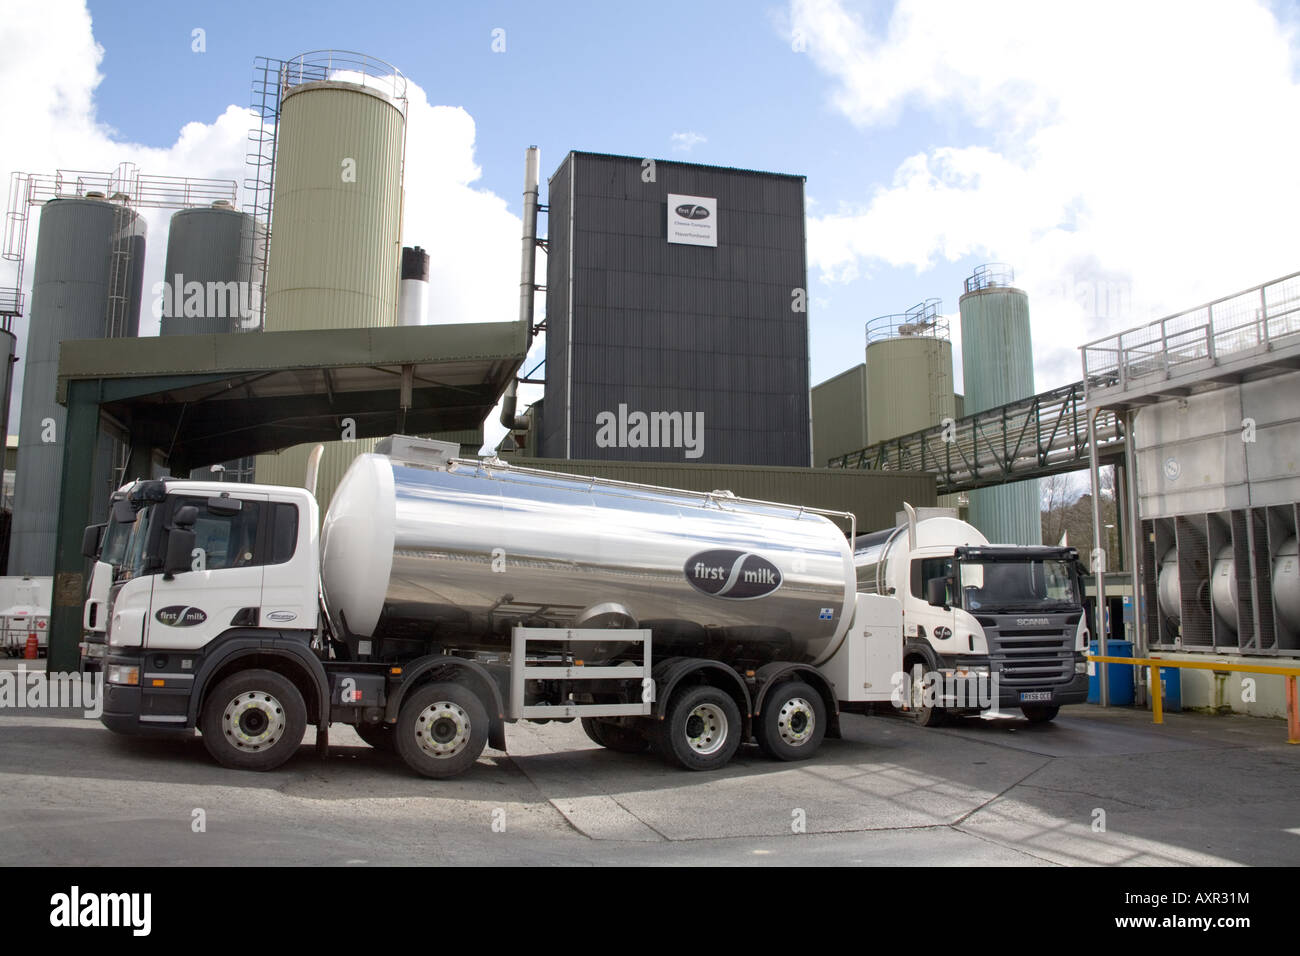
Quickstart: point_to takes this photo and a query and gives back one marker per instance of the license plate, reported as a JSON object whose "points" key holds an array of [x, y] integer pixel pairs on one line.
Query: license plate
{"points": [[1033, 695]]}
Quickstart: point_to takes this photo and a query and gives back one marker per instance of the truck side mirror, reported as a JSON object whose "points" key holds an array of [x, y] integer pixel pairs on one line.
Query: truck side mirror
{"points": [[90, 540], [936, 592], [123, 511], [180, 548]]}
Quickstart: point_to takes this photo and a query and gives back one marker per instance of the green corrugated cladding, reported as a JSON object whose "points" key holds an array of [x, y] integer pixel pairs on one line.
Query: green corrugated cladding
{"points": [[873, 496], [997, 360], [839, 410], [336, 242], [909, 385]]}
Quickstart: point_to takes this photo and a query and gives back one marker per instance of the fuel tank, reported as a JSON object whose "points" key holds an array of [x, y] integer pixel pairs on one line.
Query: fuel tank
{"points": [[452, 555]]}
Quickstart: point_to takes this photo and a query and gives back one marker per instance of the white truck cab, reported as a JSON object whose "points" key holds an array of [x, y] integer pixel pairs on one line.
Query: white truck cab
{"points": [[985, 625]]}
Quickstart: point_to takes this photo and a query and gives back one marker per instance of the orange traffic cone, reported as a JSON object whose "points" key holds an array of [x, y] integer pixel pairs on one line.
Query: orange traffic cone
{"points": [[33, 649]]}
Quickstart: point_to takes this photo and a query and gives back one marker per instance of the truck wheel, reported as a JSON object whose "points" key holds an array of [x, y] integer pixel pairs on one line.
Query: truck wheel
{"points": [[379, 736], [441, 730], [1041, 714], [592, 730], [921, 712], [702, 728], [793, 722], [253, 720]]}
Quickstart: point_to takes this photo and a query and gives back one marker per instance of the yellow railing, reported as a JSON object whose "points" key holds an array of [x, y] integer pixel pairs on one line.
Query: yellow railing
{"points": [[1157, 688]]}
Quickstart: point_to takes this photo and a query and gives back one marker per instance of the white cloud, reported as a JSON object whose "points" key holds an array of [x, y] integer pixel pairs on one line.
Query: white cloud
{"points": [[1130, 160], [472, 238], [687, 141]]}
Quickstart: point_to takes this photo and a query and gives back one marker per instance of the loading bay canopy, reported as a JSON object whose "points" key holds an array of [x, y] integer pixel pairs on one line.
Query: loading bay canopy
{"points": [[202, 399]]}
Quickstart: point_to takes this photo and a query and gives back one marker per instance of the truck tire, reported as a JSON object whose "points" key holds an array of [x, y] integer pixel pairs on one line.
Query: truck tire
{"points": [[1041, 714], [922, 713], [592, 730], [441, 730], [702, 728], [793, 722], [379, 736], [253, 720]]}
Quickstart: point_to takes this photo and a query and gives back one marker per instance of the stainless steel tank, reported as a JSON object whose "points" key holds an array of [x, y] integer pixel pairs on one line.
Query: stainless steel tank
{"points": [[1286, 584], [453, 555]]}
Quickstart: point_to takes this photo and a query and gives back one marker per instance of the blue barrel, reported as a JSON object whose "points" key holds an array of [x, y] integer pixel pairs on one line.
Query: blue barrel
{"points": [[1119, 676], [1173, 687]]}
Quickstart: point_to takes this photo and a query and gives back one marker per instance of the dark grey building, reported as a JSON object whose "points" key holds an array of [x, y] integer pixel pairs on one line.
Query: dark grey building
{"points": [[676, 314]]}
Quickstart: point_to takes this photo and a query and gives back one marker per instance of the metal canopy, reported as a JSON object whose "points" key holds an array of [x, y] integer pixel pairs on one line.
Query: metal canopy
{"points": [[207, 398]]}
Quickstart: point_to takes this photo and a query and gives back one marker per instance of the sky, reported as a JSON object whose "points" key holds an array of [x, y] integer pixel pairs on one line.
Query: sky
{"points": [[1127, 160]]}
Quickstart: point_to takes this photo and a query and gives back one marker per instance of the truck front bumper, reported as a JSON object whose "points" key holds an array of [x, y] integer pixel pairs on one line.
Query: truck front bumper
{"points": [[126, 710], [1075, 692]]}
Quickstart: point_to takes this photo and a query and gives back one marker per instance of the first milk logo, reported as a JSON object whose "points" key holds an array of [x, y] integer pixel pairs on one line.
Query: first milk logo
{"points": [[75, 909], [738, 575]]}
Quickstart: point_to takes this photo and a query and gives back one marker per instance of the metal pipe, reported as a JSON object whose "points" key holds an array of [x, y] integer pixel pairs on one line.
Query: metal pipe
{"points": [[1098, 553], [527, 277], [1133, 504], [528, 258]]}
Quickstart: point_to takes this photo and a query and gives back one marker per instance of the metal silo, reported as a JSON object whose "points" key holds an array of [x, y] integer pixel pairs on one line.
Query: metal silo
{"points": [[207, 291], [998, 367], [336, 217], [86, 284], [909, 372], [207, 288]]}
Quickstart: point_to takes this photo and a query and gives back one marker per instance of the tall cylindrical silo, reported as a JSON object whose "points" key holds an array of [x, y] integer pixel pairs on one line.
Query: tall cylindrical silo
{"points": [[336, 218], [909, 372], [206, 276], [997, 360], [207, 289], [86, 283]]}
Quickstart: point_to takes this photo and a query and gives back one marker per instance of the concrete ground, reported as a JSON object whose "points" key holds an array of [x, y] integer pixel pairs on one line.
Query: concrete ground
{"points": [[1093, 788]]}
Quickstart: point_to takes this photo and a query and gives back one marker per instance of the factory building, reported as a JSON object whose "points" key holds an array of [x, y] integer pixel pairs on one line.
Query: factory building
{"points": [[1211, 397], [676, 315]]}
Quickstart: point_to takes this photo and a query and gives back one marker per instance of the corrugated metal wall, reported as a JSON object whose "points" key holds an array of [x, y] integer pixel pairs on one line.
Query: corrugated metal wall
{"points": [[873, 496], [659, 326], [553, 433], [70, 289], [998, 367], [839, 410]]}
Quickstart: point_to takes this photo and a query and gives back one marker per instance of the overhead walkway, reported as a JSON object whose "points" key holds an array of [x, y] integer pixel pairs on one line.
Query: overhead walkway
{"points": [[1044, 434]]}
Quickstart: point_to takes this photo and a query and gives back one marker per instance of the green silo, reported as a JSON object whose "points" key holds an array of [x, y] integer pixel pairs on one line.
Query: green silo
{"points": [[909, 372], [998, 367], [336, 218]]}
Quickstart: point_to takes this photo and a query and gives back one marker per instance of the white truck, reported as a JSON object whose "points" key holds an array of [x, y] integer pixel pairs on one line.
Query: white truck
{"points": [[984, 626], [443, 598]]}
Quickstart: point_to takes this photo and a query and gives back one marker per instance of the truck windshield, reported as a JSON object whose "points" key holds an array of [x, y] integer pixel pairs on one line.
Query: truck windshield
{"points": [[990, 585], [136, 556], [113, 549]]}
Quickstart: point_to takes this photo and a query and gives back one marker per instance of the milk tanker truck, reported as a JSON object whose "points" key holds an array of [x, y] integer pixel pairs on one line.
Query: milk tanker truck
{"points": [[443, 597], [986, 627]]}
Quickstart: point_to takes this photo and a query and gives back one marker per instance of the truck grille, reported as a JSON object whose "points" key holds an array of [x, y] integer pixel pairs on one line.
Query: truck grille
{"points": [[1038, 655]]}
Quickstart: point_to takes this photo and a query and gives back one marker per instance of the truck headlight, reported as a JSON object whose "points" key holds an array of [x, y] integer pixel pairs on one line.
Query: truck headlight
{"points": [[1081, 667], [122, 674]]}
